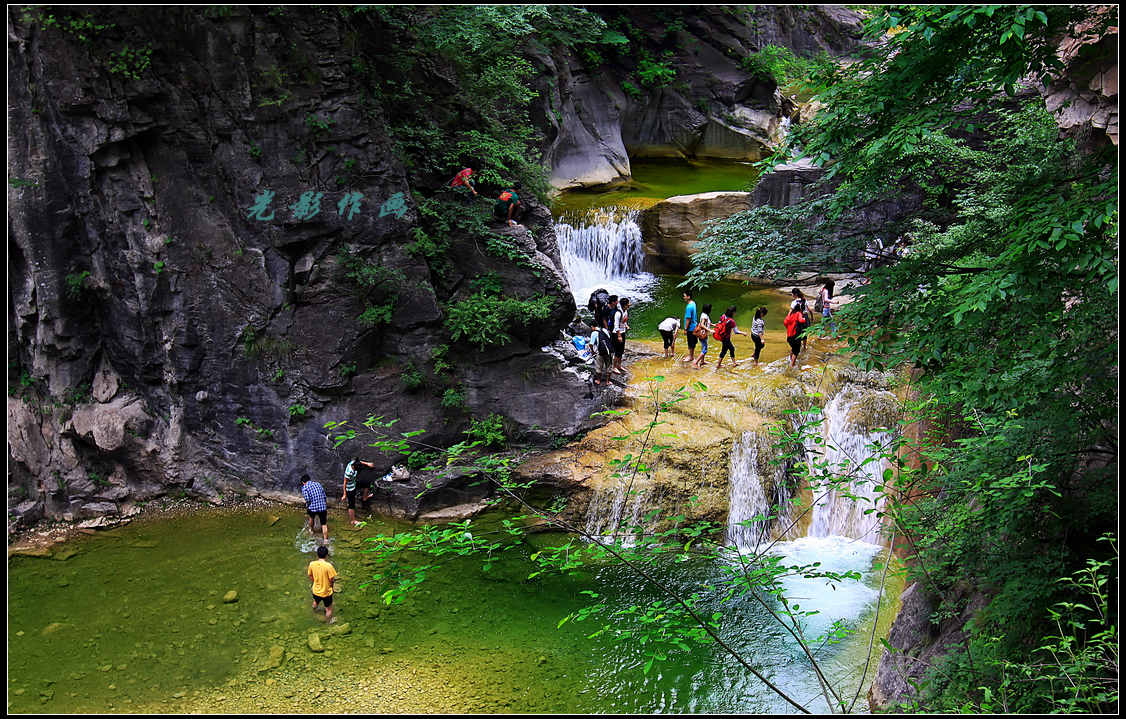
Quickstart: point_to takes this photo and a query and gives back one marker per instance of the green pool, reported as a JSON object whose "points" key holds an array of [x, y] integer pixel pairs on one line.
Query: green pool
{"points": [[133, 620]]}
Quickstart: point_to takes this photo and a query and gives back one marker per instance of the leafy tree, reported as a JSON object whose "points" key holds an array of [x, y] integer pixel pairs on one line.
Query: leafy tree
{"points": [[997, 299]]}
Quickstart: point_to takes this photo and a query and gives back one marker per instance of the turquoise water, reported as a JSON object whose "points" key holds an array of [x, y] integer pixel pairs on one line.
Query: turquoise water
{"points": [[135, 622]]}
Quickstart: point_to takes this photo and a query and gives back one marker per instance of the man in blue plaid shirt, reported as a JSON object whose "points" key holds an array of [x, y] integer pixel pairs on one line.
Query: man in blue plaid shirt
{"points": [[316, 503]]}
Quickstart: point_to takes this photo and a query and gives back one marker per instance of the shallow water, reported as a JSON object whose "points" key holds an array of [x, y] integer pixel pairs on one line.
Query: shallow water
{"points": [[135, 622], [655, 180]]}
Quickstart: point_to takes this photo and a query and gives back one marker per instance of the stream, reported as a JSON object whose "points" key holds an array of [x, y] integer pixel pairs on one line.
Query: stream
{"points": [[133, 620]]}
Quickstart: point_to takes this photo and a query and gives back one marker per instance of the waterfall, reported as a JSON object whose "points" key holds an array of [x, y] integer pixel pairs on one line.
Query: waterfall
{"points": [[749, 474], [846, 443], [603, 249], [607, 507]]}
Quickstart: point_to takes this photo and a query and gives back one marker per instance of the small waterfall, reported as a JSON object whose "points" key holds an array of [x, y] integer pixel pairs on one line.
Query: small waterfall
{"points": [[846, 447], [608, 506], [603, 249], [750, 473]]}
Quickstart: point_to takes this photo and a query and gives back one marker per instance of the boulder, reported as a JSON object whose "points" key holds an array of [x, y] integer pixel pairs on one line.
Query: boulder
{"points": [[787, 185], [97, 509], [672, 226], [314, 643], [105, 424]]}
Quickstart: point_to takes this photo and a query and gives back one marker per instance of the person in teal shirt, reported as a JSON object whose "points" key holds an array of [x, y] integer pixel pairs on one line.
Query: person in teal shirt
{"points": [[690, 320]]}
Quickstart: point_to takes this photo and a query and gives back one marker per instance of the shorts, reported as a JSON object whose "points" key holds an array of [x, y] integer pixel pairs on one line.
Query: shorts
{"points": [[668, 336], [692, 340], [619, 347], [601, 364], [327, 600], [795, 345], [351, 500], [323, 514]]}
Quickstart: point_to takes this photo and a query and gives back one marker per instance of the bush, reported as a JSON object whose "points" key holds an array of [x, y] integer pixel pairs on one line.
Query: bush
{"points": [[655, 74], [489, 431], [482, 318], [453, 398]]}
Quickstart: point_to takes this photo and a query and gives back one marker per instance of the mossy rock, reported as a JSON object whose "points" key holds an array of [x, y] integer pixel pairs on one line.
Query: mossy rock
{"points": [[314, 643], [230, 597]]}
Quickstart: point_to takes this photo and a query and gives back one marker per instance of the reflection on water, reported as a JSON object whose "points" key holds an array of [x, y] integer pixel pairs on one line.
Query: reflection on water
{"points": [[136, 622]]}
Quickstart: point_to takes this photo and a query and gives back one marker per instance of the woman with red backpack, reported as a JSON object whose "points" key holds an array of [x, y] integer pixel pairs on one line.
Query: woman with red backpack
{"points": [[795, 323], [723, 330]]}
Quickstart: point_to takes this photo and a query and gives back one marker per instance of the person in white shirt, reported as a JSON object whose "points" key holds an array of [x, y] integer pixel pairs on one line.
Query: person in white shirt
{"points": [[620, 327], [668, 329]]}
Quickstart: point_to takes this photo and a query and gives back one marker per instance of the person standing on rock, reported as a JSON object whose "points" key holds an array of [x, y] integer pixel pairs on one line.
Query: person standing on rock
{"points": [[668, 329], [353, 484], [703, 327], [690, 321], [621, 326], [723, 331], [508, 206], [316, 504], [793, 322], [323, 576], [758, 328], [825, 299]]}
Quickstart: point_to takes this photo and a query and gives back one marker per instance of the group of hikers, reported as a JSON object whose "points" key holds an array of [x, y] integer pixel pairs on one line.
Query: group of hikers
{"points": [[607, 342], [508, 206], [356, 485], [699, 327]]}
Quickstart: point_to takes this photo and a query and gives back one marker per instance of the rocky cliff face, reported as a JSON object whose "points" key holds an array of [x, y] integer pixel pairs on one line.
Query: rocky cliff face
{"points": [[713, 108], [166, 333]]}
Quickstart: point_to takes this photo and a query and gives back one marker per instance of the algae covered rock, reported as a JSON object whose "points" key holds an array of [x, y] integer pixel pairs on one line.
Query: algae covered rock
{"points": [[315, 643], [341, 630], [230, 597]]}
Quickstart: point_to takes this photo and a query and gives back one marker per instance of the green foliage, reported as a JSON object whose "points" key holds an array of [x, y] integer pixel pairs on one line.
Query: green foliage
{"points": [[18, 182], [489, 431], [485, 319], [998, 303], [255, 151], [441, 359], [266, 346], [316, 124], [261, 433], [298, 410], [412, 378], [454, 398], [378, 287], [654, 73], [632, 90], [348, 370], [130, 62], [158, 266], [76, 284]]}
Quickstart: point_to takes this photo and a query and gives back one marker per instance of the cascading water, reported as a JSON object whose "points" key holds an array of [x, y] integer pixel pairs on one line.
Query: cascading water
{"points": [[847, 446], [749, 476], [604, 517], [603, 249]]}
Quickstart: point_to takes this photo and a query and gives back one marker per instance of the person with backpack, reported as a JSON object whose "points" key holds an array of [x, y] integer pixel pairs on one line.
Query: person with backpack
{"points": [[618, 330], [601, 349], [508, 206], [353, 484], [824, 305], [758, 328], [462, 182], [723, 331], [793, 323], [803, 307], [703, 329], [668, 329]]}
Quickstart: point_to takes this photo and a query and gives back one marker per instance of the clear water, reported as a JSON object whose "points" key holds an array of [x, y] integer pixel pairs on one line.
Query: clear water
{"points": [[135, 622], [655, 180]]}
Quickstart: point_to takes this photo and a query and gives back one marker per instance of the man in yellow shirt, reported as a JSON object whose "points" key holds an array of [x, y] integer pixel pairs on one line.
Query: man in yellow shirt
{"points": [[323, 576]]}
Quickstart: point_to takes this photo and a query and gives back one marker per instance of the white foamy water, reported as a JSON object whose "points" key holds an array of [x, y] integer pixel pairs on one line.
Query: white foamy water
{"points": [[614, 511], [604, 249], [846, 600], [847, 445], [748, 497]]}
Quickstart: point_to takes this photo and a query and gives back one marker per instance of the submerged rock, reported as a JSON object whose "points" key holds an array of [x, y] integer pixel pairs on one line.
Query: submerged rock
{"points": [[230, 597], [314, 643]]}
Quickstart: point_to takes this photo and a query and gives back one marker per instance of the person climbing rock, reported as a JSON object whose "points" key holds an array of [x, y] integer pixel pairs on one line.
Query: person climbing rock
{"points": [[353, 484], [316, 504], [463, 183], [508, 206], [323, 576]]}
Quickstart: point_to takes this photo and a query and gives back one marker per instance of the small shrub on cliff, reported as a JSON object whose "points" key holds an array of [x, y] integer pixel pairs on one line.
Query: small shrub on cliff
{"points": [[483, 319], [655, 73], [454, 398], [489, 431]]}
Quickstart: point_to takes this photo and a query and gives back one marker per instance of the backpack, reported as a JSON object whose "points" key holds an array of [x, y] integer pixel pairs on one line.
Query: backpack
{"points": [[819, 305], [722, 331], [603, 343], [506, 195]]}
